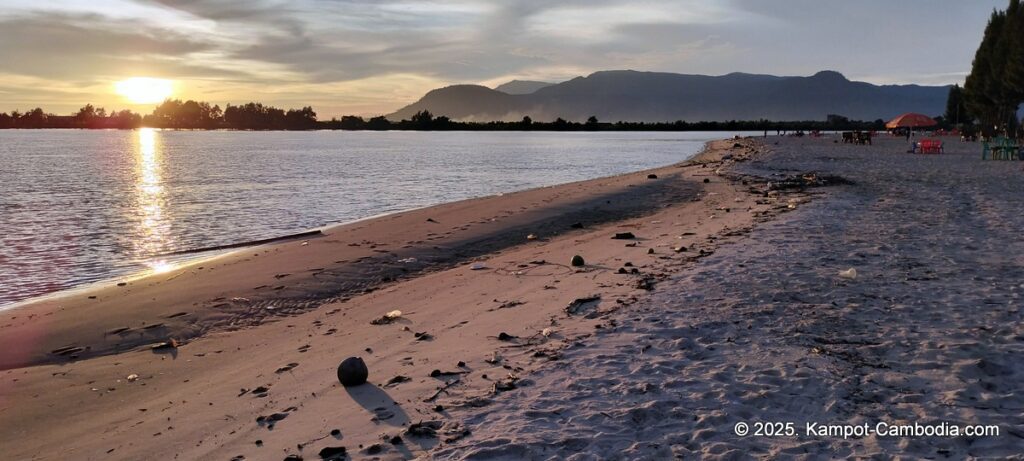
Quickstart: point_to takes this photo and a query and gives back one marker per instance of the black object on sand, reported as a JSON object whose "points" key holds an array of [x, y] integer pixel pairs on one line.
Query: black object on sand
{"points": [[352, 372], [577, 261]]}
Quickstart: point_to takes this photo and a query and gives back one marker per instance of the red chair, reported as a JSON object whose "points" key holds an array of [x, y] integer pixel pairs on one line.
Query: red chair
{"points": [[930, 146]]}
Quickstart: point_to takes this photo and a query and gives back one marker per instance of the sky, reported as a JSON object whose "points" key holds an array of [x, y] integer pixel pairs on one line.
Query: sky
{"points": [[369, 57]]}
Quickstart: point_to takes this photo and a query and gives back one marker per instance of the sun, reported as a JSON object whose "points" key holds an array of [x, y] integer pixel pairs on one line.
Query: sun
{"points": [[144, 90]]}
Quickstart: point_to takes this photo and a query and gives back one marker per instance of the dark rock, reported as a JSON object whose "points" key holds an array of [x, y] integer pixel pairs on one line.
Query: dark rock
{"points": [[332, 453], [624, 236], [335, 432], [706, 180], [506, 337], [352, 372], [576, 225], [650, 251], [652, 176], [374, 449], [577, 261], [293, 458]]}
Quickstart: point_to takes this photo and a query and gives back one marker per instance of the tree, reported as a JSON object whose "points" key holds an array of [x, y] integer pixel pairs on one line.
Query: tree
{"points": [[995, 87], [956, 107]]}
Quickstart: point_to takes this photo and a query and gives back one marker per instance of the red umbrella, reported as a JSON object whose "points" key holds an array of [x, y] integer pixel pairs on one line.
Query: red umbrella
{"points": [[911, 120]]}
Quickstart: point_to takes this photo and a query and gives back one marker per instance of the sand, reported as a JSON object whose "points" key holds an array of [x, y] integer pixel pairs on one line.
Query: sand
{"points": [[113, 397], [765, 330], [493, 358]]}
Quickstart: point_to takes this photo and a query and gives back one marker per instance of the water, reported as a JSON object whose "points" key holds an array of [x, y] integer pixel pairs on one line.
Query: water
{"points": [[82, 206]]}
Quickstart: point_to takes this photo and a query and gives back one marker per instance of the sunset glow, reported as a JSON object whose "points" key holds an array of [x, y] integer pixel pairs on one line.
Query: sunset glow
{"points": [[144, 90]]}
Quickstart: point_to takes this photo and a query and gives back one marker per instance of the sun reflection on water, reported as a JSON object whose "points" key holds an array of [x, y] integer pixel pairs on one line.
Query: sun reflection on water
{"points": [[153, 232]]}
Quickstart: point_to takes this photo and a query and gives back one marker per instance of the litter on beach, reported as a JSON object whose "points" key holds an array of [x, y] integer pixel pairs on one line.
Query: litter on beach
{"points": [[478, 266], [850, 274]]}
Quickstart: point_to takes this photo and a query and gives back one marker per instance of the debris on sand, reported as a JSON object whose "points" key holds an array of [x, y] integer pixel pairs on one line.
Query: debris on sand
{"points": [[531, 237], [623, 236], [805, 180], [508, 304], [288, 367], [333, 453], [390, 317], [849, 274], [397, 380], [506, 384], [478, 267], [576, 261], [352, 372], [67, 350], [169, 344], [440, 374], [646, 283], [425, 429], [269, 420], [578, 304]]}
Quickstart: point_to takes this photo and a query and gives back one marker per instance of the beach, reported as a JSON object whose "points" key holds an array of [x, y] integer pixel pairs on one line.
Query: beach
{"points": [[710, 295]]}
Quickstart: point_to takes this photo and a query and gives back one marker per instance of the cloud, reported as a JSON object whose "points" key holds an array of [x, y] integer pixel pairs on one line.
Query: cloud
{"points": [[345, 54]]}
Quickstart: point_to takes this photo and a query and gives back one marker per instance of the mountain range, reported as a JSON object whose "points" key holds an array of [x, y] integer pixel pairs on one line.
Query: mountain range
{"points": [[627, 95]]}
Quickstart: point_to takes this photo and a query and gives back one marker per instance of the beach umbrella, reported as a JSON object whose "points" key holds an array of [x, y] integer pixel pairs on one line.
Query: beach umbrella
{"points": [[911, 120]]}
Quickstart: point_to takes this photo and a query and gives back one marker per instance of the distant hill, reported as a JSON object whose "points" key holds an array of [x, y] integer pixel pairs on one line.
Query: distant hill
{"points": [[521, 86], [657, 96]]}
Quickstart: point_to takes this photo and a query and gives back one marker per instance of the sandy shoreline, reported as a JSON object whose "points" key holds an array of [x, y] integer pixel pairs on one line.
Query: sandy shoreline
{"points": [[189, 400], [246, 286]]}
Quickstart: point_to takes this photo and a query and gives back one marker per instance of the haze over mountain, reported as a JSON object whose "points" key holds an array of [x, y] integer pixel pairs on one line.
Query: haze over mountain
{"points": [[521, 86], [658, 96]]}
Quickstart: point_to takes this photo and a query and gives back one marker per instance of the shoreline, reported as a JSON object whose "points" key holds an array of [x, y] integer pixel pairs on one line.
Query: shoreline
{"points": [[87, 304], [144, 267], [290, 341]]}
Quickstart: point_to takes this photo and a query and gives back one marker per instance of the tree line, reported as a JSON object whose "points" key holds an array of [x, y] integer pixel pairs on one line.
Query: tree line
{"points": [[994, 89], [175, 114]]}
